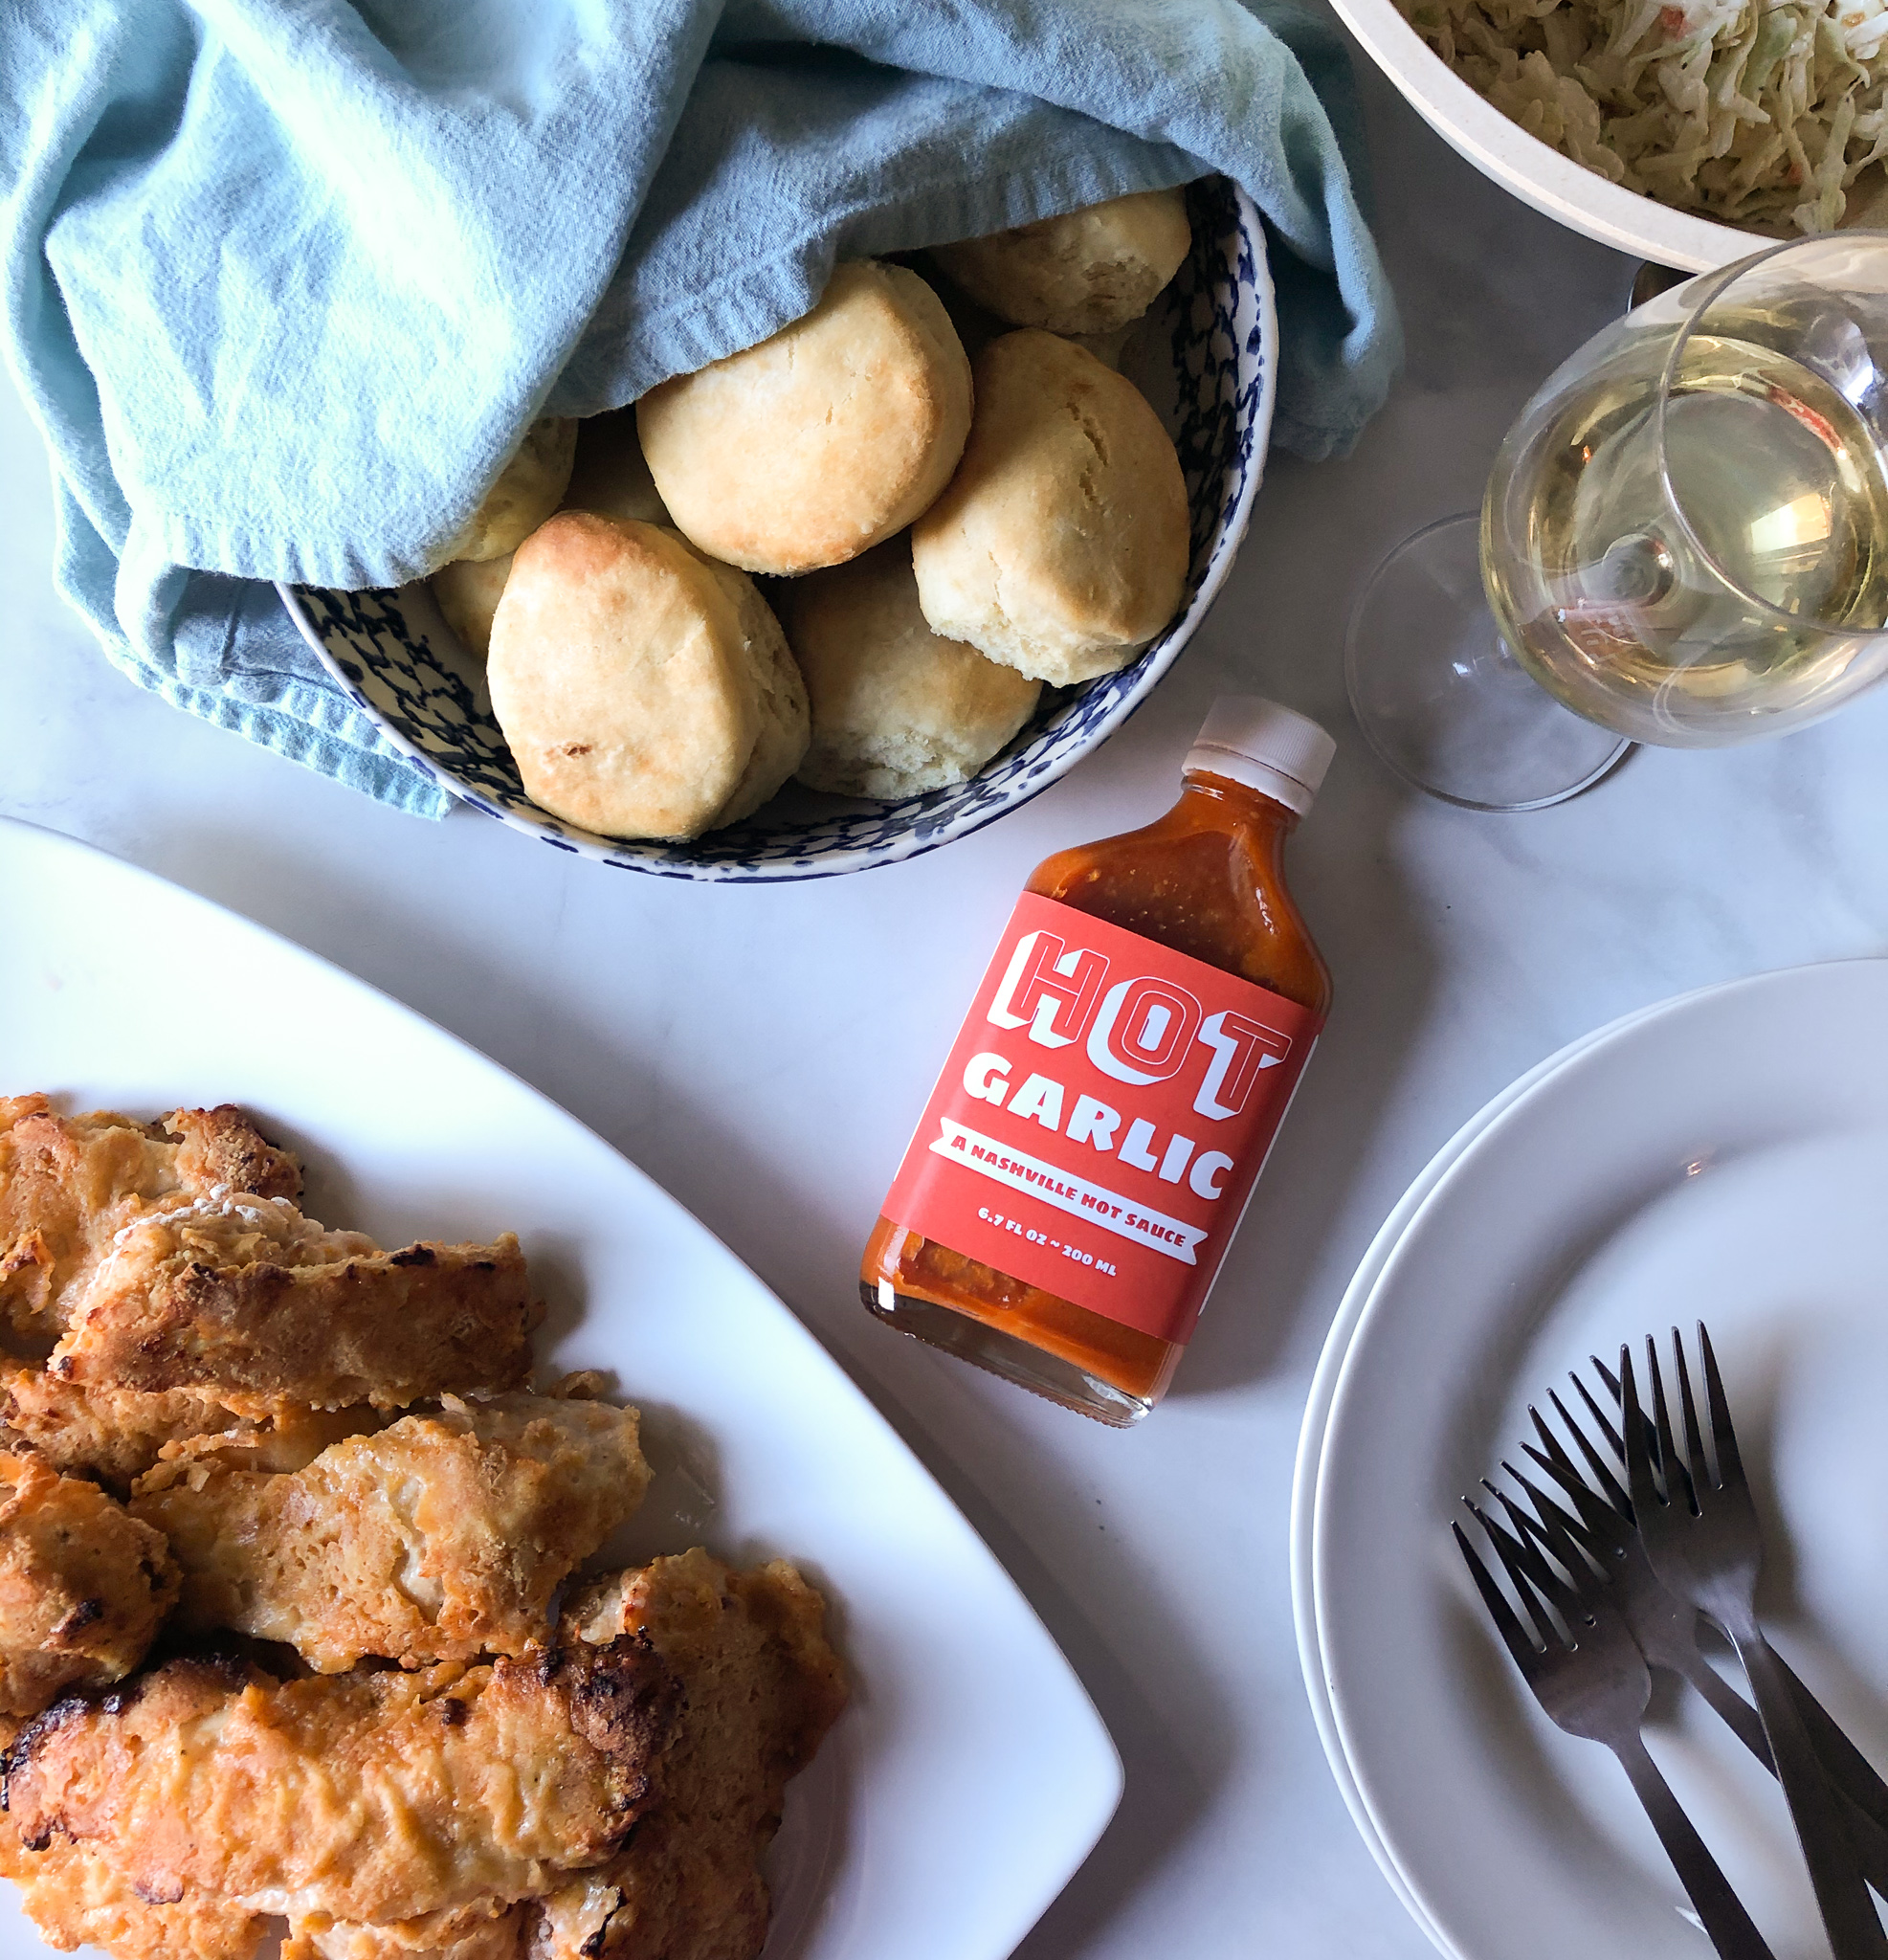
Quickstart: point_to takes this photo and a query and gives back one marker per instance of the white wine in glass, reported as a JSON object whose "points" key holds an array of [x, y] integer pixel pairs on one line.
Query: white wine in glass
{"points": [[1685, 535]]}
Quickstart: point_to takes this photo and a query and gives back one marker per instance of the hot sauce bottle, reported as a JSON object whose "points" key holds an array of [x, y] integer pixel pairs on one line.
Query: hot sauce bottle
{"points": [[1087, 1152]]}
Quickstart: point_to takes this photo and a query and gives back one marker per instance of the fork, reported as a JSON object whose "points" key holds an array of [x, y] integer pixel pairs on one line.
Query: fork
{"points": [[1593, 1681], [1703, 1541], [1666, 1624], [1665, 1627]]}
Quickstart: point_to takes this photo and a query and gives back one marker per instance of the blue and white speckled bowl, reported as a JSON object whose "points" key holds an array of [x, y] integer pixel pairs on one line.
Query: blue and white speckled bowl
{"points": [[398, 659]]}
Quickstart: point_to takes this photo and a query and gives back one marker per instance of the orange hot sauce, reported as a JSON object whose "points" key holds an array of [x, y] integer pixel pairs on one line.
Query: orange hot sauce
{"points": [[1206, 881]]}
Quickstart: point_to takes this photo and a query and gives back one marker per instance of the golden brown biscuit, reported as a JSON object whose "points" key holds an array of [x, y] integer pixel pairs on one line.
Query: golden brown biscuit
{"points": [[896, 709], [817, 444], [526, 492], [608, 477], [1082, 273], [784, 718], [645, 691], [1110, 349], [612, 477], [468, 590], [1060, 548]]}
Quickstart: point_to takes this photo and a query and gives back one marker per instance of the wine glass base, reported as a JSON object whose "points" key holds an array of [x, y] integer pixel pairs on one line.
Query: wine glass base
{"points": [[1440, 698]]}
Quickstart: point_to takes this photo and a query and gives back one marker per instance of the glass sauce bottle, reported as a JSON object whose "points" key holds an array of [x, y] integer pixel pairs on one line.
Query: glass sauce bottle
{"points": [[1098, 1184]]}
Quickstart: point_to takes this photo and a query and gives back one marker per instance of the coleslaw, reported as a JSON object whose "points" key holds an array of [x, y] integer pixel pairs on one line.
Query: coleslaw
{"points": [[1759, 113]]}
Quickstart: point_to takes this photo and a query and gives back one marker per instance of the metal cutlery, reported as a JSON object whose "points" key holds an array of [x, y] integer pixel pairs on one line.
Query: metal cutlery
{"points": [[1666, 1628], [1589, 1676], [1702, 1539]]}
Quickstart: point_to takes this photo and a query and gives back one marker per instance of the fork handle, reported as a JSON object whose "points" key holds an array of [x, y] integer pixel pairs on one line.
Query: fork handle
{"points": [[1867, 1833], [1736, 1714], [1848, 1912], [1725, 1919], [1849, 1769]]}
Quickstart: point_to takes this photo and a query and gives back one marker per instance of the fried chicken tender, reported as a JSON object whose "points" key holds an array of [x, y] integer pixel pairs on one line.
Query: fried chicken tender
{"points": [[246, 1296], [69, 1183], [761, 1688], [83, 1587], [76, 1899], [171, 1287], [172, 1323], [115, 1435], [441, 1538], [487, 1931], [358, 1797]]}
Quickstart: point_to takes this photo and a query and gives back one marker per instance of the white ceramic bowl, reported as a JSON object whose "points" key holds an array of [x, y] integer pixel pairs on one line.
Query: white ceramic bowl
{"points": [[1208, 359], [1535, 172]]}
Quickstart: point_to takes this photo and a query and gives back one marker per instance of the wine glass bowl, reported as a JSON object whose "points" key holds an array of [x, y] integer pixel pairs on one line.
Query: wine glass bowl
{"points": [[1685, 536]]}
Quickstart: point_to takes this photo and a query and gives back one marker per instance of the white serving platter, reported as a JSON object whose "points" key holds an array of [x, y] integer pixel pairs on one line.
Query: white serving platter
{"points": [[970, 1775]]}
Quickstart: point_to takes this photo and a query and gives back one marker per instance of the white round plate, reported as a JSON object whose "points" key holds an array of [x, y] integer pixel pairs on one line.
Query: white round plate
{"points": [[1725, 1157], [1317, 1413]]}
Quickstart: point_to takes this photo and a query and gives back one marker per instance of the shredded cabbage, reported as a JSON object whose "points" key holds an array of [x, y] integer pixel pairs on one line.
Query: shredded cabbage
{"points": [[1761, 113]]}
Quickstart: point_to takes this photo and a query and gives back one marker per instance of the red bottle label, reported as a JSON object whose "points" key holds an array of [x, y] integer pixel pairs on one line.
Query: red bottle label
{"points": [[1103, 1118]]}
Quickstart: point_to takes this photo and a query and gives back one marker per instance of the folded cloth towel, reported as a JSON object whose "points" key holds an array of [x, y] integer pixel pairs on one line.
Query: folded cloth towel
{"points": [[286, 279]]}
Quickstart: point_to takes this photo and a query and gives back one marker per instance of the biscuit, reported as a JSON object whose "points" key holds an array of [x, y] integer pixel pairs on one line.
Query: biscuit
{"points": [[775, 676], [525, 494], [896, 709], [1061, 546], [610, 476], [468, 591], [1082, 273], [645, 691], [823, 442]]}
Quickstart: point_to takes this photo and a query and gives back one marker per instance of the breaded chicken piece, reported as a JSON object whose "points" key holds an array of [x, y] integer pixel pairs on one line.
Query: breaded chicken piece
{"points": [[76, 1899], [358, 1797], [761, 1688], [83, 1586], [245, 1296], [170, 1261], [486, 1931], [115, 1435], [441, 1538], [69, 1183]]}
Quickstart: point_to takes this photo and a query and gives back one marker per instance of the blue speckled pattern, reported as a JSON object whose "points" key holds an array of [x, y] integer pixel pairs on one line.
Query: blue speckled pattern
{"points": [[393, 653]]}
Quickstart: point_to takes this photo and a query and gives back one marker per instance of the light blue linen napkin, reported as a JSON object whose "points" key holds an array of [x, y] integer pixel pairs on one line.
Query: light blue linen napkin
{"points": [[284, 281]]}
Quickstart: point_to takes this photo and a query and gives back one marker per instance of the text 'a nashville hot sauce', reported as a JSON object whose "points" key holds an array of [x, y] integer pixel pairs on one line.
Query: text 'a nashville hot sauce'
{"points": [[1090, 1145]]}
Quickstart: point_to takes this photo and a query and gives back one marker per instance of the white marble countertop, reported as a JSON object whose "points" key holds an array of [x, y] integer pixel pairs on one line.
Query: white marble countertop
{"points": [[763, 1051]]}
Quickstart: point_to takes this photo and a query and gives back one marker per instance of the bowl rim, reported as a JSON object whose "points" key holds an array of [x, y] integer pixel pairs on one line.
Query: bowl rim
{"points": [[1533, 169], [916, 838]]}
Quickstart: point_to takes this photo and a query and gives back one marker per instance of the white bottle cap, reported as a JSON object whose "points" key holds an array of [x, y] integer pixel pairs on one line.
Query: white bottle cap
{"points": [[1269, 748]]}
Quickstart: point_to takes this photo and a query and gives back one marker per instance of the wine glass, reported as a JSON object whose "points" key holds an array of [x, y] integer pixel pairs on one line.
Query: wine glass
{"points": [[1684, 539]]}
